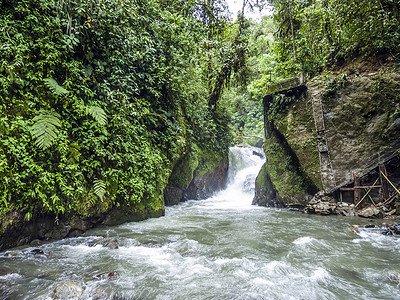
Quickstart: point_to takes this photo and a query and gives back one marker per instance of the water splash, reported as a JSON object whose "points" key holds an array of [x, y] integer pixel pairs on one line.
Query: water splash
{"points": [[219, 248], [244, 166]]}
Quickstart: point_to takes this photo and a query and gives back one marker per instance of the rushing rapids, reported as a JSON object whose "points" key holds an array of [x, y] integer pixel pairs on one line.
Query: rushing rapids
{"points": [[219, 248]]}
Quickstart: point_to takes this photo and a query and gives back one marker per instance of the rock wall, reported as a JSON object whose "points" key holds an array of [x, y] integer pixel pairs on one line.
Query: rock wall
{"points": [[197, 175], [16, 231], [362, 117]]}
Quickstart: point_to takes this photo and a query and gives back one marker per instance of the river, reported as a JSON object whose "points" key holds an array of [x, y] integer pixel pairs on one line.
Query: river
{"points": [[218, 248]]}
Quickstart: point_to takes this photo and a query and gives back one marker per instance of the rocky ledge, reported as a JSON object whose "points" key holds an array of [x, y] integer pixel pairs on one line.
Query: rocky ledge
{"points": [[326, 205], [322, 204]]}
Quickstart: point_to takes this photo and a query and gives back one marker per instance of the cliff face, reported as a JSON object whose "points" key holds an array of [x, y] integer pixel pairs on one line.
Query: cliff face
{"points": [[197, 175], [362, 118]]}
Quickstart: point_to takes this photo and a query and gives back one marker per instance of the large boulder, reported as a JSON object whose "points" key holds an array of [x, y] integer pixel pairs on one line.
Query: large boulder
{"points": [[173, 195], [321, 205], [67, 290], [361, 119], [370, 212], [205, 185], [265, 194], [198, 174], [107, 276]]}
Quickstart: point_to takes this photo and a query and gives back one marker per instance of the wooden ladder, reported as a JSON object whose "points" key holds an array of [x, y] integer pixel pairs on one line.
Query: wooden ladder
{"points": [[322, 140]]}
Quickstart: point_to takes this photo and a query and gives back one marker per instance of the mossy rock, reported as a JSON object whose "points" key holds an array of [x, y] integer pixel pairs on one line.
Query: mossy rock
{"points": [[182, 173], [198, 174], [265, 194]]}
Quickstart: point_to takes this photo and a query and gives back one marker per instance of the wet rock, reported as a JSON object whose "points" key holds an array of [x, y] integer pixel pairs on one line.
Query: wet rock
{"points": [[107, 276], [324, 208], [36, 243], [173, 195], [38, 253], [387, 232], [370, 212], [354, 229], [370, 226], [113, 244], [393, 229], [259, 153], [11, 254], [205, 185], [67, 290], [75, 233], [321, 204], [265, 194], [347, 211], [394, 277]]}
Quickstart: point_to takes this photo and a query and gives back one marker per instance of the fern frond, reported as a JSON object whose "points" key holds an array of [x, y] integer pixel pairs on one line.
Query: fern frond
{"points": [[55, 87], [45, 128], [99, 187], [74, 153], [97, 113]]}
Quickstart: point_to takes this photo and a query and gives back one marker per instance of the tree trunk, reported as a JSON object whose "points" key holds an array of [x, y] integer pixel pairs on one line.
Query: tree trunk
{"points": [[292, 29]]}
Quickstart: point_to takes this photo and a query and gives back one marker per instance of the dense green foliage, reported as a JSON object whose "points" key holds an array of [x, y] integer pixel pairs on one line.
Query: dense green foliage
{"points": [[99, 99], [314, 34], [311, 36], [245, 100]]}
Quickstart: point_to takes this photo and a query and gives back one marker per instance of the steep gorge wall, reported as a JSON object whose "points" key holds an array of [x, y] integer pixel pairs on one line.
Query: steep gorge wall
{"points": [[361, 108], [197, 175]]}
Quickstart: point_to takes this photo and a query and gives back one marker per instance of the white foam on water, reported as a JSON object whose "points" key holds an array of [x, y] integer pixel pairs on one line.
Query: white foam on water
{"points": [[320, 274], [262, 282], [11, 276], [244, 168], [378, 240], [225, 261], [303, 240], [242, 274]]}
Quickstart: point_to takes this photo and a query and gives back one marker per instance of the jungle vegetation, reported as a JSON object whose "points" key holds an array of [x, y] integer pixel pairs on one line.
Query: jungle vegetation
{"points": [[100, 98]]}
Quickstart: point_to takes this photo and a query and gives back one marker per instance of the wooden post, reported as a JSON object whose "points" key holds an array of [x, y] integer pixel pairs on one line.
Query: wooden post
{"points": [[357, 191], [384, 183]]}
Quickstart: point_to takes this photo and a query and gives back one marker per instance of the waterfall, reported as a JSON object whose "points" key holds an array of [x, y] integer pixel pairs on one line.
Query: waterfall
{"points": [[219, 248], [244, 166]]}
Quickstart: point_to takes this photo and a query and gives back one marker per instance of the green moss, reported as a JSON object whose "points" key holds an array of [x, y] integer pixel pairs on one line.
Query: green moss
{"points": [[182, 173], [283, 85], [284, 174], [196, 160], [209, 160], [296, 125], [291, 152], [262, 177]]}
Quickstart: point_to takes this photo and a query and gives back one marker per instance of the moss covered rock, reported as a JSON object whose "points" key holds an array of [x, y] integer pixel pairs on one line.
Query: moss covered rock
{"points": [[265, 194], [197, 175], [362, 117]]}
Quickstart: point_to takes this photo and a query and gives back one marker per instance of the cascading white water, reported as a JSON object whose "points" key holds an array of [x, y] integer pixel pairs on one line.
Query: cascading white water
{"points": [[244, 165], [219, 248]]}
